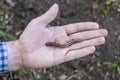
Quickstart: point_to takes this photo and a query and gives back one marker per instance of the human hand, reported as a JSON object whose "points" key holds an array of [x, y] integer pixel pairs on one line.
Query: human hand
{"points": [[35, 54]]}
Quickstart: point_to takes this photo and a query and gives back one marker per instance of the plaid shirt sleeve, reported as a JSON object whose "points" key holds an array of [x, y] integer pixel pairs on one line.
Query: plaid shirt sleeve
{"points": [[3, 57]]}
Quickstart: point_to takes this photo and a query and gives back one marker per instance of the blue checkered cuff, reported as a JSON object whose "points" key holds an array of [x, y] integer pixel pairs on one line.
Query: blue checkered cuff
{"points": [[3, 57]]}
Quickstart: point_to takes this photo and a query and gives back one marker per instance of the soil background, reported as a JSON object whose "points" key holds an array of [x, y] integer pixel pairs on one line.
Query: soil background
{"points": [[88, 68]]}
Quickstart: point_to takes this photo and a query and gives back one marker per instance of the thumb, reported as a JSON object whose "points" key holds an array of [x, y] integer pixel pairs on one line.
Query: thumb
{"points": [[50, 15]]}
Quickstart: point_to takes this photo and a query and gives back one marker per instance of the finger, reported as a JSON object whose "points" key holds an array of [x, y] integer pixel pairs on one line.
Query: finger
{"points": [[76, 27], [86, 43], [74, 54], [89, 34], [49, 16]]}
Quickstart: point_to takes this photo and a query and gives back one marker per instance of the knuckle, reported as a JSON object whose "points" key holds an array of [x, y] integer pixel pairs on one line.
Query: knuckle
{"points": [[84, 36], [33, 20]]}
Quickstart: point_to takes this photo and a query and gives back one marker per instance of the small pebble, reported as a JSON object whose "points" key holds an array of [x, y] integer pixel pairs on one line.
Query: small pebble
{"points": [[10, 2], [118, 10], [98, 64], [63, 77], [91, 69]]}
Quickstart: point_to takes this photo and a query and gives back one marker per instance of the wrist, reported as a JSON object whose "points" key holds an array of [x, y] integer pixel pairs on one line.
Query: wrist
{"points": [[14, 56]]}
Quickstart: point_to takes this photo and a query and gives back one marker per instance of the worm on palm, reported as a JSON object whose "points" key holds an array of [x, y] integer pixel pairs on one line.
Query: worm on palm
{"points": [[67, 44]]}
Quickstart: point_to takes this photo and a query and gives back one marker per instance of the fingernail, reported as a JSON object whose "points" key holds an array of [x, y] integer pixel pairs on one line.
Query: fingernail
{"points": [[104, 32]]}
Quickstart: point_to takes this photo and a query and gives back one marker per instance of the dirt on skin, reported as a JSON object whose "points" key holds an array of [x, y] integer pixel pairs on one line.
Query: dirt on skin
{"points": [[87, 68]]}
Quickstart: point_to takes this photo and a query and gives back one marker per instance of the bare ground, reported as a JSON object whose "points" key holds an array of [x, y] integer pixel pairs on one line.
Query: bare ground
{"points": [[87, 68]]}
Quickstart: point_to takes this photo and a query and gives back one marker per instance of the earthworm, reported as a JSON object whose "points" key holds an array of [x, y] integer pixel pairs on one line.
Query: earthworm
{"points": [[67, 44]]}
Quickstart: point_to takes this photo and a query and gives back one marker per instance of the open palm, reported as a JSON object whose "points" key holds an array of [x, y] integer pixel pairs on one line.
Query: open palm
{"points": [[34, 52]]}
